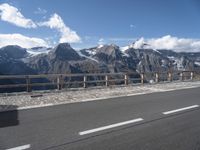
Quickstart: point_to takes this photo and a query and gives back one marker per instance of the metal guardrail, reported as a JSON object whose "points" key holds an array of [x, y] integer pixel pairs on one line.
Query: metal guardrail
{"points": [[60, 81]]}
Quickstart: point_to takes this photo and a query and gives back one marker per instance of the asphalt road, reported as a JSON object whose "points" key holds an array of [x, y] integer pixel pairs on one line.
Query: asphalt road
{"points": [[158, 121]]}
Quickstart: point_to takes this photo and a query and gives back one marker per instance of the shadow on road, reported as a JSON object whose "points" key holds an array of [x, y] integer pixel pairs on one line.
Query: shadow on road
{"points": [[8, 118]]}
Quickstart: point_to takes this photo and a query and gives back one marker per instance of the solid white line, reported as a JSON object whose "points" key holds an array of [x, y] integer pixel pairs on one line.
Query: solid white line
{"points": [[110, 126], [181, 109], [20, 147]]}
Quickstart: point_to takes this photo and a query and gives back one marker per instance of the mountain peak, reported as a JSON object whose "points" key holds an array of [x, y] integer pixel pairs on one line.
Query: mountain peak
{"points": [[64, 51], [64, 46], [100, 46], [140, 44], [11, 46], [13, 51]]}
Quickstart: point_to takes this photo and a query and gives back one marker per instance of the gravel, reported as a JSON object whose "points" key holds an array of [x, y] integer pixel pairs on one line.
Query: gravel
{"points": [[41, 99]]}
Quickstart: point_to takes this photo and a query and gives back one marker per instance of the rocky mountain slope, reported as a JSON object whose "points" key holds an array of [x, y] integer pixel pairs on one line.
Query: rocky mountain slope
{"points": [[103, 58]]}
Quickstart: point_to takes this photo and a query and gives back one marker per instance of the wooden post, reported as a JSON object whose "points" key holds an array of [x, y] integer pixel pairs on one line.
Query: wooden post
{"points": [[106, 78], [84, 81], [58, 83], [192, 75], [61, 82], [126, 79], [142, 78], [28, 86], [170, 76], [157, 78], [181, 76]]}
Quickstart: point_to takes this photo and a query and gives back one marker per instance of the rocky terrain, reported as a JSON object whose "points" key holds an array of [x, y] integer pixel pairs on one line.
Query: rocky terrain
{"points": [[103, 58]]}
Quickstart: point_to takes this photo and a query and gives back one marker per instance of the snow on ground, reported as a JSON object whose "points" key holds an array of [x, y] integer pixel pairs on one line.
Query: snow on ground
{"points": [[100, 46], [82, 55], [91, 52], [177, 61], [42, 50], [155, 50], [25, 101], [197, 63], [123, 51], [171, 57]]}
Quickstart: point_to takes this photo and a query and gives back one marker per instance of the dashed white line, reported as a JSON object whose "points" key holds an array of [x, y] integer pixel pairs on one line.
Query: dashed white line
{"points": [[110, 126], [20, 147], [181, 109]]}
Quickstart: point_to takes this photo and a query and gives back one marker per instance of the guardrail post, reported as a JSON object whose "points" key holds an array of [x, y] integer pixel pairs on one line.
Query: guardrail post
{"points": [[157, 78], [28, 86], [170, 76], [106, 78], [84, 81], [59, 83], [126, 79], [142, 78], [181, 76], [192, 75]]}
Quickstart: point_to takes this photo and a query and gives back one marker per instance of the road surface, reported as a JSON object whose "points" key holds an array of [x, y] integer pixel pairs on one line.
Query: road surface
{"points": [[157, 121]]}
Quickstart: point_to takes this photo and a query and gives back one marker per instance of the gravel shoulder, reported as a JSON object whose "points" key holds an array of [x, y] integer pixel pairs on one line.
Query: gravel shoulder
{"points": [[42, 99]]}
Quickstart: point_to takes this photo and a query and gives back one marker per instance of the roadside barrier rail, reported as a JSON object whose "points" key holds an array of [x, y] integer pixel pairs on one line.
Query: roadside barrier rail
{"points": [[61, 81]]}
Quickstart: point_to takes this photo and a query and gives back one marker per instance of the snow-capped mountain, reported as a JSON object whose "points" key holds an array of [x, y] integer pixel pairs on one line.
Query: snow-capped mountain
{"points": [[137, 57]]}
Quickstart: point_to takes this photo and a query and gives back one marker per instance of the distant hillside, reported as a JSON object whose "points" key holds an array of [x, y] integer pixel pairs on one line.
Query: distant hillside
{"points": [[104, 58]]}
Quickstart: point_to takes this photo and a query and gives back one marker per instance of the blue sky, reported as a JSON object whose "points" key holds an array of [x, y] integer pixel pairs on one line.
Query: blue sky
{"points": [[105, 21]]}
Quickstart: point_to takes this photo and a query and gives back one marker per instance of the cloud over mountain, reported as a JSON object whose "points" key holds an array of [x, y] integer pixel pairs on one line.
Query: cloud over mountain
{"points": [[21, 40], [66, 34], [170, 43], [12, 15]]}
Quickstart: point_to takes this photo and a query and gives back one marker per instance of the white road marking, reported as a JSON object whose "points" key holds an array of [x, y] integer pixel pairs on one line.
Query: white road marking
{"points": [[110, 126], [20, 147], [181, 109]]}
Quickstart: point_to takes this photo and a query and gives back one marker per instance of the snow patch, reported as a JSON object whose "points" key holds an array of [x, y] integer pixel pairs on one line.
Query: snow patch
{"points": [[37, 51], [171, 57], [100, 46], [197, 63], [82, 55], [156, 51], [139, 44], [177, 61], [91, 52], [123, 49]]}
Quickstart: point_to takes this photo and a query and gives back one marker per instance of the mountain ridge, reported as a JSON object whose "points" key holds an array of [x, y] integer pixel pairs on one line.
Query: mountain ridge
{"points": [[103, 58]]}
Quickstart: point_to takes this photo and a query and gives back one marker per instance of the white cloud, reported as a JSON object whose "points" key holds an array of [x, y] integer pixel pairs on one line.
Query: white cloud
{"points": [[13, 15], [132, 26], [67, 35], [171, 43], [101, 41], [40, 11], [21, 40]]}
